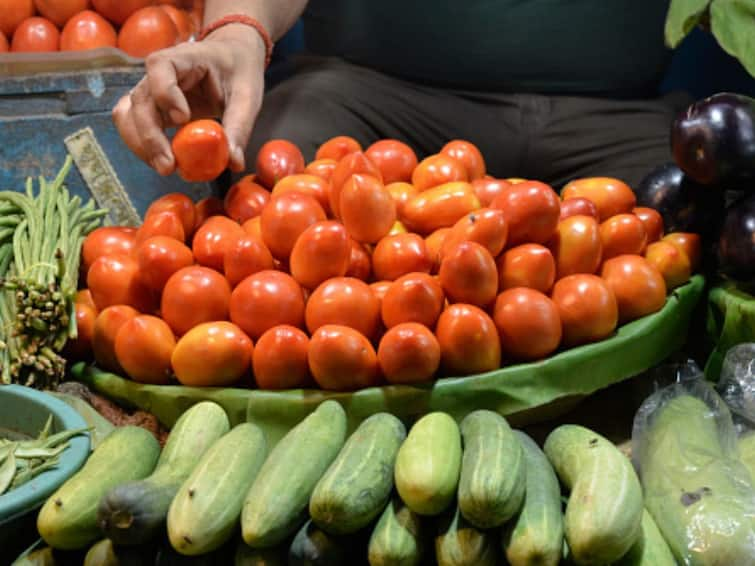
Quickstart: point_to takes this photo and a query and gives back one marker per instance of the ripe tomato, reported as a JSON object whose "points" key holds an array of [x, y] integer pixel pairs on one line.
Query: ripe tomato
{"points": [[106, 327], [115, 280], [159, 258], [689, 243], [118, 11], [194, 295], [671, 262], [587, 308], [60, 11], [439, 207], [380, 288], [245, 199], [280, 359], [531, 209], [12, 13], [360, 261], [576, 246], [349, 165], [397, 228], [322, 251], [578, 206], [80, 348], [393, 158], [342, 359], [246, 256], [434, 243], [468, 274], [284, 218], [181, 20], [213, 239], [468, 155], [400, 254], [266, 299], [200, 148], [611, 196], [322, 168], [488, 189], [401, 193], [165, 223], [528, 265], [337, 148], [486, 226], [84, 297], [36, 34], [622, 234], [107, 240], [528, 324], [652, 220], [414, 297], [205, 208], [179, 204], [3, 43], [468, 339], [308, 184], [639, 287], [277, 159], [367, 208], [346, 301], [436, 170], [409, 353], [143, 346], [87, 30], [213, 354]]}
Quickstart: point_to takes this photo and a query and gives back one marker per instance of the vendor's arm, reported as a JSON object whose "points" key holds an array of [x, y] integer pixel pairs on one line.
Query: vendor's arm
{"points": [[222, 76]]}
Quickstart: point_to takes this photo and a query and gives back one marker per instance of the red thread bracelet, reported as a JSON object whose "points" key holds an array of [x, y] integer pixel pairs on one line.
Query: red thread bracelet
{"points": [[246, 20]]}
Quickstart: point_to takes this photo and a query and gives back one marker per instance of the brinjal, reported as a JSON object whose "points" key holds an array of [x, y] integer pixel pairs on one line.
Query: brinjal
{"points": [[713, 141], [736, 244]]}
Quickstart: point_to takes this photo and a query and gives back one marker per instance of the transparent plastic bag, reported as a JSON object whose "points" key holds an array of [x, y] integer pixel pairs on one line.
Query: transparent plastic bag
{"points": [[699, 492], [737, 385]]}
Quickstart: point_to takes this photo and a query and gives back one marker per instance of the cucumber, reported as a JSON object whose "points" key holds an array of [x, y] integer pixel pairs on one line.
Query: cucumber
{"points": [[428, 464], [101, 554], [276, 504], [397, 539], [650, 549], [701, 499], [247, 556], [536, 536], [459, 543], [747, 452], [206, 509], [314, 547], [134, 512], [604, 513], [68, 519], [358, 483], [41, 557], [491, 485]]}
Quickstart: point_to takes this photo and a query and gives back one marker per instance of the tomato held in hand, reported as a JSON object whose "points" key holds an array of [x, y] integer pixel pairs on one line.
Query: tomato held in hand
{"points": [[308, 184], [436, 170], [351, 164], [143, 347], [486, 226], [106, 327], [159, 258], [528, 265], [280, 359], [285, 217], [322, 251], [400, 254], [672, 263], [36, 35], [468, 155], [245, 199], [342, 359], [414, 297], [201, 150], [194, 295], [487, 189], [578, 206], [611, 196], [576, 246], [653, 222], [439, 207], [115, 280], [337, 148], [345, 301], [587, 308], [277, 159], [107, 240], [213, 239], [367, 208], [409, 353], [266, 299], [528, 324], [165, 223], [179, 204], [468, 339], [393, 158], [87, 30], [246, 256], [638, 286], [531, 209], [468, 274]]}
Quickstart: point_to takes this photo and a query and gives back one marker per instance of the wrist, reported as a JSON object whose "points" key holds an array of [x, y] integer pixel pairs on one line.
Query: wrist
{"points": [[244, 30]]}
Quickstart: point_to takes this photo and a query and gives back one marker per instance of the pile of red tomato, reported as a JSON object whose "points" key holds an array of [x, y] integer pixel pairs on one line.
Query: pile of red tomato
{"points": [[367, 267], [137, 27]]}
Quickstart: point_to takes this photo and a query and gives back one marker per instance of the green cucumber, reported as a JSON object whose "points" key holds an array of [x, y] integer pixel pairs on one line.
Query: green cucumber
{"points": [[205, 512], [358, 483], [68, 519], [101, 554], [459, 543], [247, 556], [650, 549], [747, 452], [398, 537], [604, 513], [492, 481], [536, 536], [134, 512], [428, 464], [276, 504]]}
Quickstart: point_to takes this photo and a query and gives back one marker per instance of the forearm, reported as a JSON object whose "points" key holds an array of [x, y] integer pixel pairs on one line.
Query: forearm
{"points": [[277, 16]]}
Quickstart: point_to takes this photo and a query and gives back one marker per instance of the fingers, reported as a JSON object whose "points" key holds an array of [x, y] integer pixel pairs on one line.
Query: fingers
{"points": [[163, 74], [240, 113], [126, 127], [149, 124]]}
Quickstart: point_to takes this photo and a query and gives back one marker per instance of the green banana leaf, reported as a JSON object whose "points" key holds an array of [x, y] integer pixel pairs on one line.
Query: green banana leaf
{"points": [[525, 393], [731, 321]]}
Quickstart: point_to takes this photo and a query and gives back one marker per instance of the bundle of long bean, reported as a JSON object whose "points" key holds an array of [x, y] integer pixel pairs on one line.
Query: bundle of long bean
{"points": [[39, 270]]}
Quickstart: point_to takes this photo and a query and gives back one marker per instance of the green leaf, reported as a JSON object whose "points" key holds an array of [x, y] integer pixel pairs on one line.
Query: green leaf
{"points": [[733, 25], [682, 16]]}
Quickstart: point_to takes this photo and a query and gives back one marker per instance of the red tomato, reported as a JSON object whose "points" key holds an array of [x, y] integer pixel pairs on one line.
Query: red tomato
{"points": [[622, 234], [610, 196], [164, 223], [194, 295], [672, 263], [147, 30], [345, 301], [106, 327], [84, 297], [531, 209], [308, 184], [434, 243], [401, 193], [486, 226], [400, 254], [414, 297], [468, 275], [252, 227], [284, 219], [87, 30], [578, 206], [60, 12], [182, 21], [367, 208], [488, 189], [639, 287], [280, 359], [213, 239], [360, 261], [118, 11], [439, 207], [206, 208], [246, 256], [380, 288], [342, 359], [80, 348], [107, 240], [245, 199], [322, 251], [576, 246], [587, 308], [277, 159], [12, 13], [36, 34], [159, 258], [689, 243], [393, 158], [213, 354], [528, 265], [266, 299], [143, 346], [528, 324], [115, 280], [3, 43], [349, 165], [179, 204], [200, 148], [468, 155], [337, 148], [409, 353], [436, 170], [468, 339], [652, 220], [322, 168]]}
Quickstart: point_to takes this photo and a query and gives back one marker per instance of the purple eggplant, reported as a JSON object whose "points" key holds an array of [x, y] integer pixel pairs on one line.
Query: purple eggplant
{"points": [[713, 141], [736, 244]]}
